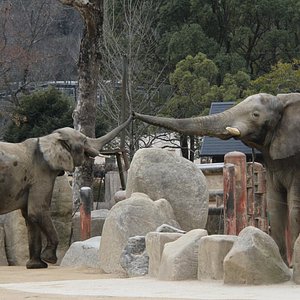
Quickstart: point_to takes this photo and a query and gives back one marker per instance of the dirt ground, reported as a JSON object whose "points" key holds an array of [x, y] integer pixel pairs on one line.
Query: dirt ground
{"points": [[19, 274], [77, 283]]}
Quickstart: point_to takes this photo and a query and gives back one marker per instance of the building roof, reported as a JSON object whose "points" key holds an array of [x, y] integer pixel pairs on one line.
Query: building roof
{"points": [[212, 146]]}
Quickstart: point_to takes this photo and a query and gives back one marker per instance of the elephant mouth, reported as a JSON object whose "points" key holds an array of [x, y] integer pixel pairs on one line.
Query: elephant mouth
{"points": [[235, 132], [90, 152]]}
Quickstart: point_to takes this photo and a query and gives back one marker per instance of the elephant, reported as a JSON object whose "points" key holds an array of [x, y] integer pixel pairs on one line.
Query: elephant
{"points": [[270, 124], [27, 175]]}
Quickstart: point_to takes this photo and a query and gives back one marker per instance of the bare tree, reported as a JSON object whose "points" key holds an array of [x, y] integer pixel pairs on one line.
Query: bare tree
{"points": [[31, 44], [130, 78], [89, 64]]}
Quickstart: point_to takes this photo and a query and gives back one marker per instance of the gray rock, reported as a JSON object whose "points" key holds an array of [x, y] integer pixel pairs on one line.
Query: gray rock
{"points": [[254, 259], [83, 254], [160, 174], [134, 258], [211, 254], [3, 258], [16, 240], [180, 258], [61, 213], [119, 196], [169, 228], [296, 261], [136, 215], [155, 242]]}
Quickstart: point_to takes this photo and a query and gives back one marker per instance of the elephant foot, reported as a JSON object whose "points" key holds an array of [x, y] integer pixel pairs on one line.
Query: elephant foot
{"points": [[36, 264], [49, 255]]}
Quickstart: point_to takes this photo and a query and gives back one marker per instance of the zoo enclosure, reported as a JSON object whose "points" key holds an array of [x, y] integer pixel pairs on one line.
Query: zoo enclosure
{"points": [[239, 192]]}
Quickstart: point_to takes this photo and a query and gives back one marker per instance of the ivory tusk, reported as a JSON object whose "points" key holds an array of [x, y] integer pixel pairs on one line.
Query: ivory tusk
{"points": [[234, 131]]}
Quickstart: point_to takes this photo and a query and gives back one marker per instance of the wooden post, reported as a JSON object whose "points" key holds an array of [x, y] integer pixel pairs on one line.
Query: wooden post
{"points": [[257, 206], [86, 198], [239, 161], [229, 199]]}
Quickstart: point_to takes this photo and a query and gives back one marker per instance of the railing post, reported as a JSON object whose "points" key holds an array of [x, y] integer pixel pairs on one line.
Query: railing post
{"points": [[229, 199], [86, 198], [257, 206], [238, 159]]}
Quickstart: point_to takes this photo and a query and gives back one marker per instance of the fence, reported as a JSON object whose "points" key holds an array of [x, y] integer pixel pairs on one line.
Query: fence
{"points": [[244, 194]]}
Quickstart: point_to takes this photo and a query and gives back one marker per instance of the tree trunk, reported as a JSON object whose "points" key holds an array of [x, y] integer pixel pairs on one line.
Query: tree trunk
{"points": [[88, 74], [184, 146]]}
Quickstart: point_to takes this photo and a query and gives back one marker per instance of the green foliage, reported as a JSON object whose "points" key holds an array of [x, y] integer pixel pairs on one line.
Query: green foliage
{"points": [[40, 113], [196, 87], [237, 35], [283, 78], [190, 40]]}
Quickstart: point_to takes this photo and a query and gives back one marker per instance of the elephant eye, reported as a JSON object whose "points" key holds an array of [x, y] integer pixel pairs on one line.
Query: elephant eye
{"points": [[255, 114]]}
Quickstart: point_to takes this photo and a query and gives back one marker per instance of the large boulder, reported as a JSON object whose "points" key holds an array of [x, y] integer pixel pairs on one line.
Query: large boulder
{"points": [[83, 254], [61, 213], [3, 258], [160, 174], [296, 261], [254, 259], [134, 216], [180, 258], [16, 239]]}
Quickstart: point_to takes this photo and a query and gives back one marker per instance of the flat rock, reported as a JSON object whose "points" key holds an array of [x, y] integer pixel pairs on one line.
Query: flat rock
{"points": [[180, 258], [155, 242], [212, 251], [83, 254]]}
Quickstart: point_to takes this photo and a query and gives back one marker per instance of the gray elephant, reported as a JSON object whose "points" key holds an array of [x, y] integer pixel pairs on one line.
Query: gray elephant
{"points": [[270, 124], [27, 174]]}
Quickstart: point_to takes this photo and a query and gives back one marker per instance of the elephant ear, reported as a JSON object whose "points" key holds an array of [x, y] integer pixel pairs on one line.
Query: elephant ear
{"points": [[285, 142], [56, 153]]}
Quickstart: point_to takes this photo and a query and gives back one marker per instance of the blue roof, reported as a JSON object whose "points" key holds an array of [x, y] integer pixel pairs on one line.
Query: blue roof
{"points": [[212, 146]]}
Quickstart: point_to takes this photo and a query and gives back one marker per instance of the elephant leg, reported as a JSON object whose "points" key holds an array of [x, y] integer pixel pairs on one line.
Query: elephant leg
{"points": [[47, 227], [39, 212], [278, 213], [35, 244]]}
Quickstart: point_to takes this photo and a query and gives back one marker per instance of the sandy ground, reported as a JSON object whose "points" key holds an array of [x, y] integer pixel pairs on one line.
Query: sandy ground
{"points": [[73, 283]]}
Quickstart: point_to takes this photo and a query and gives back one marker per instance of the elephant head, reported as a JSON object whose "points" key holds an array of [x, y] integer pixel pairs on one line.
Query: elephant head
{"points": [[270, 124], [67, 148], [261, 121]]}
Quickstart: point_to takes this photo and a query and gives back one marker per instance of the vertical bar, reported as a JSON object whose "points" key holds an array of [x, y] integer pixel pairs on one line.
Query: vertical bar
{"points": [[229, 199], [86, 198], [121, 172], [250, 195], [239, 160]]}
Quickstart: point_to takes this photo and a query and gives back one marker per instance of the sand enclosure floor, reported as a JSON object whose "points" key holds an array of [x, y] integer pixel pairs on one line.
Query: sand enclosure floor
{"points": [[74, 283]]}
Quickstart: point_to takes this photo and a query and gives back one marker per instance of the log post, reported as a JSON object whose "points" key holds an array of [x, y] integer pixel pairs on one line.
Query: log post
{"points": [[229, 199], [238, 159], [86, 198]]}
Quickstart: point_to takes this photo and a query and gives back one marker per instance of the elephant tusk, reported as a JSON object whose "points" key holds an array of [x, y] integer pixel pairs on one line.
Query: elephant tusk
{"points": [[234, 131]]}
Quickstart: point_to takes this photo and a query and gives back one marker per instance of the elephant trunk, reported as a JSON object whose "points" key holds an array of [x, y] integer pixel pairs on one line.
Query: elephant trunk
{"points": [[95, 145], [217, 125]]}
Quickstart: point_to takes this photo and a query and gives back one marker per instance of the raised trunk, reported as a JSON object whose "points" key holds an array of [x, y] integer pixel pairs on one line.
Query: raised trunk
{"points": [[215, 125], [103, 140]]}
